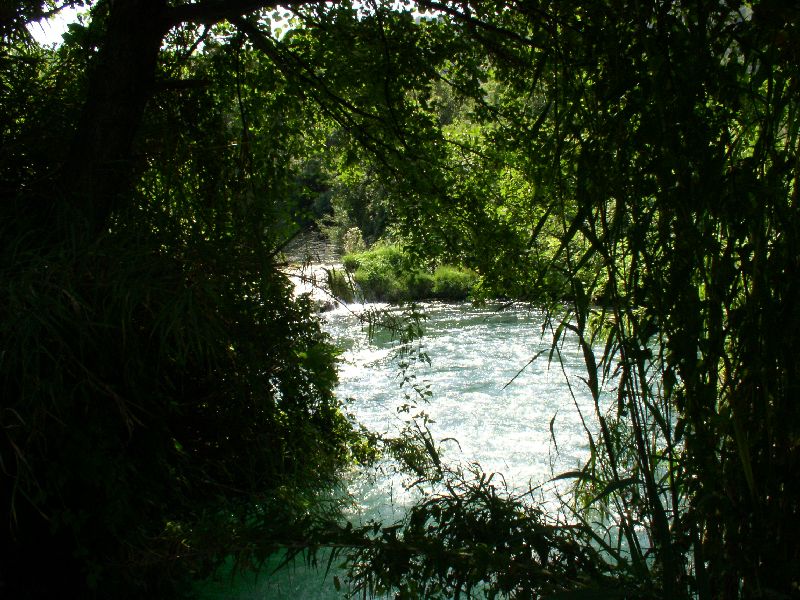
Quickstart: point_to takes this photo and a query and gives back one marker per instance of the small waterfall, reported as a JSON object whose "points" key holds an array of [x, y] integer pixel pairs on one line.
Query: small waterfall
{"points": [[311, 258], [312, 279]]}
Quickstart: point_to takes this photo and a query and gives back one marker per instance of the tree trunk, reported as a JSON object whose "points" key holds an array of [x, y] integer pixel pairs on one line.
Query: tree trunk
{"points": [[99, 167]]}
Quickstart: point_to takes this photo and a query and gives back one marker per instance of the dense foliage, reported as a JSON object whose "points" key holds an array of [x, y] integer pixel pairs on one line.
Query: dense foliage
{"points": [[644, 158], [385, 273], [636, 160], [165, 397]]}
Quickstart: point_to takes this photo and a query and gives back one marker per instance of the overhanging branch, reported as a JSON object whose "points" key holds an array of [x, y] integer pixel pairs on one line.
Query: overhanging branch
{"points": [[209, 12]]}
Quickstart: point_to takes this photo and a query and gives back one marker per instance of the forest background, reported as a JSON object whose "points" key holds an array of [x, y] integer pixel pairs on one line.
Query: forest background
{"points": [[632, 167]]}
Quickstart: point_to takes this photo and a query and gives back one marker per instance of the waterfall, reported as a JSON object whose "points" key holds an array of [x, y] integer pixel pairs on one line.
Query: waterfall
{"points": [[310, 258]]}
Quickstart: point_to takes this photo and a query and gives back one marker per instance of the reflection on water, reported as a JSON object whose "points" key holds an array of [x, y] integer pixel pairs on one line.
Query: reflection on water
{"points": [[499, 415], [485, 395]]}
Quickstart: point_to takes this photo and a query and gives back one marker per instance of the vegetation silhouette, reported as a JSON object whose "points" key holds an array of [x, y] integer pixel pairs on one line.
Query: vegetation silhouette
{"points": [[632, 167]]}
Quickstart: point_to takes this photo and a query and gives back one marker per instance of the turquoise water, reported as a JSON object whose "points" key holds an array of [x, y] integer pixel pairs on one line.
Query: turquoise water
{"points": [[485, 393]]}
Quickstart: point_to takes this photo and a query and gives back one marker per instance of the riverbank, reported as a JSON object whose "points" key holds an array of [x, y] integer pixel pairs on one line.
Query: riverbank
{"points": [[387, 274]]}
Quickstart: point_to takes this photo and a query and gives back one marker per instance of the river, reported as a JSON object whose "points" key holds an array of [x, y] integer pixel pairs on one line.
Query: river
{"points": [[509, 414]]}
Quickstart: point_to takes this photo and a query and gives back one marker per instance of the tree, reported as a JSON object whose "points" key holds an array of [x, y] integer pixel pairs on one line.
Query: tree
{"points": [[156, 369], [662, 141], [638, 161], [165, 399]]}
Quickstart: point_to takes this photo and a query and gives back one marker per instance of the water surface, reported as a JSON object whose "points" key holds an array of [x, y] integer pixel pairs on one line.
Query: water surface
{"points": [[509, 414]]}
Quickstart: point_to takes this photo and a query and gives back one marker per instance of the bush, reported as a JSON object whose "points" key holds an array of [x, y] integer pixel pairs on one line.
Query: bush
{"points": [[352, 241], [137, 391], [378, 285], [386, 274], [351, 262], [451, 283], [379, 258], [378, 273], [419, 285]]}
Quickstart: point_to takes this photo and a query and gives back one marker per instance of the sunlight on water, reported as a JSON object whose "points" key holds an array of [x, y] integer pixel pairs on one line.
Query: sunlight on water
{"points": [[485, 395], [499, 416]]}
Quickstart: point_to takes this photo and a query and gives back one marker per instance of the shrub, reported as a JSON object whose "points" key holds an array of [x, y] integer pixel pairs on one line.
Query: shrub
{"points": [[379, 272], [351, 262], [378, 284], [419, 285], [352, 241], [386, 274], [386, 258], [451, 283]]}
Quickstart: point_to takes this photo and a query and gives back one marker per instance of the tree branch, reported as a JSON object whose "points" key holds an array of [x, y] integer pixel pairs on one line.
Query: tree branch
{"points": [[209, 12]]}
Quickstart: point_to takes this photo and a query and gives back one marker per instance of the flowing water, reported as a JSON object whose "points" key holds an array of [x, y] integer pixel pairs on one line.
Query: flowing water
{"points": [[485, 391], [498, 408]]}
